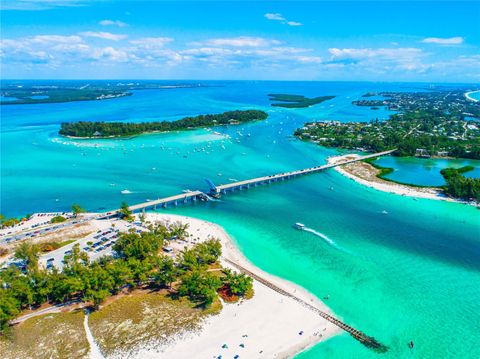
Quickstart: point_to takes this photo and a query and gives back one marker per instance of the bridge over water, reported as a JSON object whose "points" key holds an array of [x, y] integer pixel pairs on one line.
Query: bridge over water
{"points": [[192, 196], [239, 185]]}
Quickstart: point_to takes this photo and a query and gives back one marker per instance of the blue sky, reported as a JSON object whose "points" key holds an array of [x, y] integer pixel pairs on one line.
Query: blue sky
{"points": [[265, 40]]}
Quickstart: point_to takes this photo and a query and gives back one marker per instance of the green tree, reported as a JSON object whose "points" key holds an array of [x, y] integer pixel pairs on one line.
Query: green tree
{"points": [[29, 253], [200, 287], [58, 219], [179, 230], [120, 273], [238, 284], [9, 308], [125, 212], [165, 271], [77, 209], [138, 245]]}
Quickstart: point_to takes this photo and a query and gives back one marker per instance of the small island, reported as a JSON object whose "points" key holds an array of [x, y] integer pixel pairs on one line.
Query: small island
{"points": [[26, 96], [91, 129], [296, 101], [27, 93]]}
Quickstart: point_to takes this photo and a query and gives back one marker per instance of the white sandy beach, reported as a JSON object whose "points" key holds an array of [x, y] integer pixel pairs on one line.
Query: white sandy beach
{"points": [[392, 187], [269, 325], [469, 97]]}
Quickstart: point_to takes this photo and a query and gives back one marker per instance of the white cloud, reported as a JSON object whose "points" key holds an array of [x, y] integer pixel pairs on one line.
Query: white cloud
{"points": [[39, 4], [360, 53], [279, 17], [113, 23], [110, 54], [152, 42], [275, 16], [381, 60], [104, 35], [49, 39], [240, 41], [309, 59], [457, 40]]}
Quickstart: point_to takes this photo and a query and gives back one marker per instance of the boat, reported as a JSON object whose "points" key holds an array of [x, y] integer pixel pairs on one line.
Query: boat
{"points": [[125, 191], [299, 226], [384, 212], [187, 191]]}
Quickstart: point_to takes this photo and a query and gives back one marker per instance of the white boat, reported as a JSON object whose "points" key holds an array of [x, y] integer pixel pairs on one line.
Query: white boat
{"points": [[299, 225], [125, 191], [187, 191]]}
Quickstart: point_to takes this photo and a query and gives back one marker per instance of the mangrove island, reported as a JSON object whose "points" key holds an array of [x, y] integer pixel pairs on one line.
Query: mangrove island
{"points": [[91, 129]]}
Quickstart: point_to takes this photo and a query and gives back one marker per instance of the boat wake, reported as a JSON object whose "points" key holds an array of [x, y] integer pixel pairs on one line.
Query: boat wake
{"points": [[321, 235], [324, 237]]}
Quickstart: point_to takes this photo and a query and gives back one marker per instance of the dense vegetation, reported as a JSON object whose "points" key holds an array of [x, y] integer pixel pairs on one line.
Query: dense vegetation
{"points": [[297, 101], [120, 129], [7, 222], [38, 91], [58, 219], [459, 186], [422, 133], [54, 95], [439, 122], [138, 262]]}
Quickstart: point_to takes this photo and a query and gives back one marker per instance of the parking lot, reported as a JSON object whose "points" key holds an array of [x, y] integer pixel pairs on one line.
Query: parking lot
{"points": [[96, 245]]}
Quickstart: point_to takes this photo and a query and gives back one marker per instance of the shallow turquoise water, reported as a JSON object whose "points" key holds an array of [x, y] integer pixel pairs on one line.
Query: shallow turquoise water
{"points": [[411, 274], [424, 171]]}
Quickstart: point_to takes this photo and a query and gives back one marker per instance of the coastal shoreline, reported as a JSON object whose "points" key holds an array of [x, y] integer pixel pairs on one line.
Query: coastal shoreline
{"points": [[383, 185], [279, 321], [467, 95], [272, 321]]}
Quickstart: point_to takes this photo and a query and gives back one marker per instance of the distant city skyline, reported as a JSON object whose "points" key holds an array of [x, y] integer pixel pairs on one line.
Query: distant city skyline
{"points": [[422, 41]]}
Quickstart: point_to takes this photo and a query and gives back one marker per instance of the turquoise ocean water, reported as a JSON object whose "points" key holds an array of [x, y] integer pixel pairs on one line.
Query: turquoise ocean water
{"points": [[411, 274]]}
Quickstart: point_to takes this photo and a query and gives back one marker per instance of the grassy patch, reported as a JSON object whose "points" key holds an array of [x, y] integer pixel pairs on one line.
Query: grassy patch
{"points": [[58, 219], [146, 319], [46, 247], [58, 335]]}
